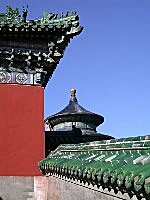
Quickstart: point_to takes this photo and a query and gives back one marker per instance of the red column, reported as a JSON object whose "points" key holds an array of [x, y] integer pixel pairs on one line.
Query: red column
{"points": [[21, 129]]}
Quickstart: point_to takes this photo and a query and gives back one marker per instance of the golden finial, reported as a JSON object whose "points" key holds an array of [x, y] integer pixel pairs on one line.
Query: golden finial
{"points": [[73, 92]]}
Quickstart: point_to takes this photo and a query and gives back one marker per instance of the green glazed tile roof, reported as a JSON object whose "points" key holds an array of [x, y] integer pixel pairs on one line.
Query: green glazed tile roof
{"points": [[12, 21], [54, 138], [121, 163]]}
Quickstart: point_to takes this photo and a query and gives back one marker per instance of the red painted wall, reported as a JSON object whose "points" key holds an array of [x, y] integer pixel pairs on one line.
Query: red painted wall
{"points": [[21, 129]]}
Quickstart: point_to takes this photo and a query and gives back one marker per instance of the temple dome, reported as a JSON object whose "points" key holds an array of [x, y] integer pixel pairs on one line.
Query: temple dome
{"points": [[74, 115]]}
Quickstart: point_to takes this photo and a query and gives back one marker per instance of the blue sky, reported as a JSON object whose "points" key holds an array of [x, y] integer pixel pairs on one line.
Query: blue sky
{"points": [[108, 63]]}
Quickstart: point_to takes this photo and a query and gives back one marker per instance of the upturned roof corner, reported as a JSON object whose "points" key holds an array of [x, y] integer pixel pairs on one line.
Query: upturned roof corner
{"points": [[34, 47]]}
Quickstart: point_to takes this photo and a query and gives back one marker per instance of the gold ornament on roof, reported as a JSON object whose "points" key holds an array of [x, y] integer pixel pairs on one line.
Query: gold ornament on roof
{"points": [[73, 92]]}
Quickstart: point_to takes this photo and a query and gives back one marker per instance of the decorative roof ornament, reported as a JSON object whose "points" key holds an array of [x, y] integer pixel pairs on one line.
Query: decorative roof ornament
{"points": [[73, 95], [11, 16], [24, 14]]}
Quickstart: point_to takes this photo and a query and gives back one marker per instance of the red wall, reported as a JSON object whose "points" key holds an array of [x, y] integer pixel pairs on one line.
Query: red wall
{"points": [[21, 129]]}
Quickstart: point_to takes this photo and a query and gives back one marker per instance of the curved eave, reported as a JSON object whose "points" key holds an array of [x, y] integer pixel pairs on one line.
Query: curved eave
{"points": [[75, 117]]}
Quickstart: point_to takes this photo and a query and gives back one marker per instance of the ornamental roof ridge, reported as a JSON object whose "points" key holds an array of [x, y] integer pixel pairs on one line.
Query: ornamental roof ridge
{"points": [[12, 16]]}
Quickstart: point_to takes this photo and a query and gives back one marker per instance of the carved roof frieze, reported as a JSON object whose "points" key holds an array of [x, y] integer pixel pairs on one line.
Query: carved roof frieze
{"points": [[29, 58]]}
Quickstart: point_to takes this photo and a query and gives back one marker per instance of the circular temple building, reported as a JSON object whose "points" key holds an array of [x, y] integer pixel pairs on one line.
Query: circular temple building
{"points": [[73, 125], [74, 116]]}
